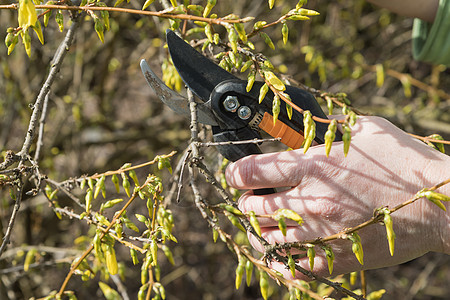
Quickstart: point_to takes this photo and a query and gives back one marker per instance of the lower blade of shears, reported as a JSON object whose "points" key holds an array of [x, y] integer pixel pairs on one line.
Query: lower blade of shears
{"points": [[175, 101]]}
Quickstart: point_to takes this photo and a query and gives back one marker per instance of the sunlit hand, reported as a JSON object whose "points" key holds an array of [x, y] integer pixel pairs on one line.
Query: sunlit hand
{"points": [[384, 167]]}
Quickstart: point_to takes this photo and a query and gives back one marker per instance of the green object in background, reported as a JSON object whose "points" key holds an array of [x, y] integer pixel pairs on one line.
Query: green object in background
{"points": [[431, 42]]}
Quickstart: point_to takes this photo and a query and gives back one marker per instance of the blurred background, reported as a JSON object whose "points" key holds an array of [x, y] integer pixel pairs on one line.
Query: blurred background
{"points": [[102, 114]]}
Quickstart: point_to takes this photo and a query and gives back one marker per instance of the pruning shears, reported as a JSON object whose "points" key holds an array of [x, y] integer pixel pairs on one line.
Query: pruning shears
{"points": [[225, 104]]}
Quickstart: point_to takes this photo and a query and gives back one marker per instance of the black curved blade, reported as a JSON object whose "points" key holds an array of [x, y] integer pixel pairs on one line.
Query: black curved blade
{"points": [[199, 73]]}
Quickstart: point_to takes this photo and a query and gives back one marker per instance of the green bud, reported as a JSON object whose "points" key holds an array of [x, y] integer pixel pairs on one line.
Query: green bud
{"points": [[59, 18], [346, 138], [310, 134], [154, 251], [29, 259], [215, 235], [352, 118], [239, 274], [388, 223], [230, 209], [216, 38], [376, 295], [146, 4], [267, 40], [254, 222], [235, 221], [274, 81], [311, 253], [353, 277], [330, 257], [262, 92], [208, 33], [233, 37], [157, 272], [141, 218], [110, 256], [330, 105], [264, 284], [285, 33], [307, 12], [133, 254], [9, 39], [246, 65], [26, 39], [289, 214], [251, 80], [357, 247], [291, 264], [119, 229], [435, 198], [282, 225], [345, 109], [132, 174], [88, 199], [144, 277], [98, 186], [126, 184], [241, 31], [440, 146], [248, 272], [209, 6], [289, 111], [276, 108], [12, 43], [115, 181], [380, 74], [330, 136], [168, 254], [260, 24], [232, 57]]}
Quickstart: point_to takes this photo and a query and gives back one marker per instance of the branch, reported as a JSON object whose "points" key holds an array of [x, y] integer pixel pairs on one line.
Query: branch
{"points": [[254, 141], [40, 141], [168, 14], [6, 238], [54, 69], [378, 217]]}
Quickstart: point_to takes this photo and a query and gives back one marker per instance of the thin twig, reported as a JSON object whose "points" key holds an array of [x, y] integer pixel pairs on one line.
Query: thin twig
{"points": [[6, 238], [61, 188], [169, 13], [378, 217], [54, 69], [40, 141], [253, 141]]}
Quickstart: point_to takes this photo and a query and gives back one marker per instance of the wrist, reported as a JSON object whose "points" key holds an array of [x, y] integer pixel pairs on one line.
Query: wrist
{"points": [[441, 173], [445, 217]]}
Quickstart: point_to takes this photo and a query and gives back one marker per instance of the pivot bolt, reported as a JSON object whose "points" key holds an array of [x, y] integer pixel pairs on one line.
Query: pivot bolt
{"points": [[244, 112], [231, 103]]}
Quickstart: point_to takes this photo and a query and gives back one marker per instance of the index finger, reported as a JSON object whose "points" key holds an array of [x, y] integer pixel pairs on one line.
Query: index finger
{"points": [[283, 169]]}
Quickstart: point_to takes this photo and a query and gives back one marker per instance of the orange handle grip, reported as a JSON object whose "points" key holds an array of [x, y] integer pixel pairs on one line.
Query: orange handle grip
{"points": [[289, 136]]}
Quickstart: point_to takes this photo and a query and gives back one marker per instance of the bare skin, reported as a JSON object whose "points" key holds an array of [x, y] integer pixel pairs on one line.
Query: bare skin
{"points": [[384, 167]]}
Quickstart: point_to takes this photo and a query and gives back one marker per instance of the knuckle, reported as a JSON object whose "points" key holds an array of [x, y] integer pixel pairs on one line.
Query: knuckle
{"points": [[327, 209], [244, 172]]}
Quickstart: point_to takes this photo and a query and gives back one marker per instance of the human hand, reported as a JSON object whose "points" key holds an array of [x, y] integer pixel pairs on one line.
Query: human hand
{"points": [[384, 167]]}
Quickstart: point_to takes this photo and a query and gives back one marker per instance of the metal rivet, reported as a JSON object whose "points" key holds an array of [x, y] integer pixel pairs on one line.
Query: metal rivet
{"points": [[231, 103], [244, 112]]}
